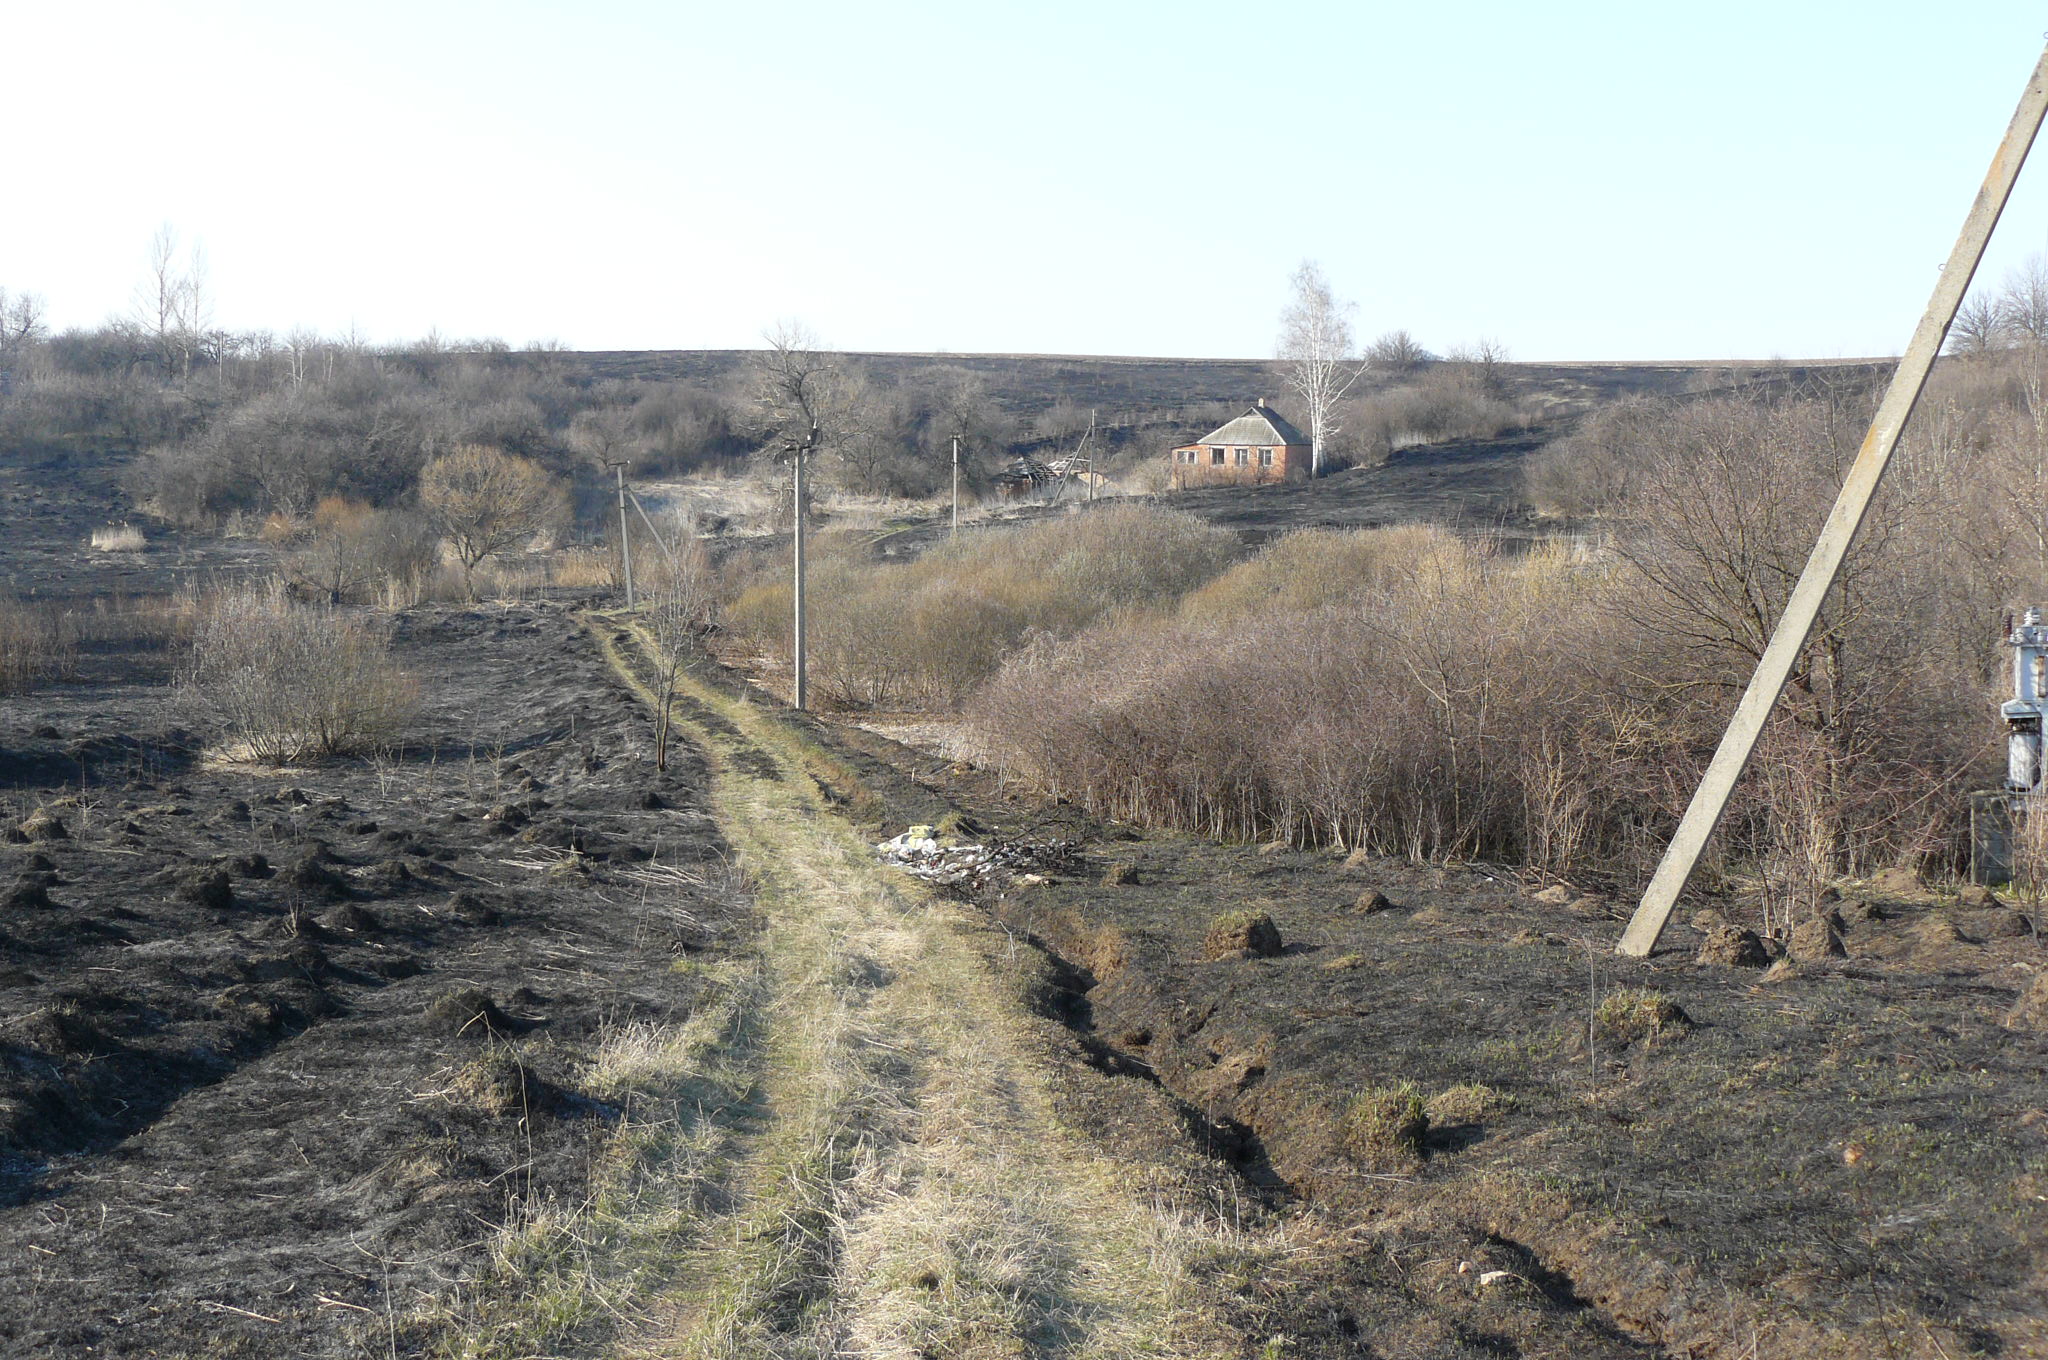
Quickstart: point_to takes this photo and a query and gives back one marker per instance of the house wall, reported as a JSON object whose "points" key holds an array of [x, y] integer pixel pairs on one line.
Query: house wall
{"points": [[1290, 464]]}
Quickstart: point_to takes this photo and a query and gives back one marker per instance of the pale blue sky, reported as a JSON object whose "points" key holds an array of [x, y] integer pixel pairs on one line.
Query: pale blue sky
{"points": [[1578, 180]]}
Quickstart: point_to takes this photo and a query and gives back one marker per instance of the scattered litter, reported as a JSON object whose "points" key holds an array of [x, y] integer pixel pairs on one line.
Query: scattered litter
{"points": [[922, 853]]}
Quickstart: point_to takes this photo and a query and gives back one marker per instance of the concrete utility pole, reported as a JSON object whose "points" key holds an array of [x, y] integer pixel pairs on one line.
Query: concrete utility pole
{"points": [[800, 687], [625, 540], [1775, 668], [956, 486]]}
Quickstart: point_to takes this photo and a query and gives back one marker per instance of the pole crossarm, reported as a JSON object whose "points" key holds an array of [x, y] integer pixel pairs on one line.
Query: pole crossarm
{"points": [[1858, 488]]}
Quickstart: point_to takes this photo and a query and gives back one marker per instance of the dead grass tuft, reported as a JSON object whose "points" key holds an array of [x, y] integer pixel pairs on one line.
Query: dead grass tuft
{"points": [[1245, 931], [121, 538], [1632, 1014], [1472, 1103], [1384, 1126]]}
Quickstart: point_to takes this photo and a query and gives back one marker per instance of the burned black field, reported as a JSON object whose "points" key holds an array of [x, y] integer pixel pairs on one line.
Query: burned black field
{"points": [[283, 1049]]}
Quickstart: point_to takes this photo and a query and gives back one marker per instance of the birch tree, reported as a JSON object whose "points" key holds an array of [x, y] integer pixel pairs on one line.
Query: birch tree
{"points": [[1321, 356]]}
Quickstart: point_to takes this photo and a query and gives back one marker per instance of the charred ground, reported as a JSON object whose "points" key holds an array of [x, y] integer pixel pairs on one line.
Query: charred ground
{"points": [[1848, 1156], [282, 1049]]}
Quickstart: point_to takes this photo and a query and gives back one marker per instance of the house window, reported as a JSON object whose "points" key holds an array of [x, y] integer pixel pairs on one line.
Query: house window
{"points": [[1243, 457], [1216, 457], [1265, 458]]}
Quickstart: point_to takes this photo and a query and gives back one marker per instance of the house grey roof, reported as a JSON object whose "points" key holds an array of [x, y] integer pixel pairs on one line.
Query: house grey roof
{"points": [[1259, 425]]}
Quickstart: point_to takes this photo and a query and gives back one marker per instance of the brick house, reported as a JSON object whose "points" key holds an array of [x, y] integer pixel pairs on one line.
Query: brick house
{"points": [[1259, 446]]}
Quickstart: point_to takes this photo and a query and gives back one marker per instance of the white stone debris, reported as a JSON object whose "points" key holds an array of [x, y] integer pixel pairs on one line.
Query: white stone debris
{"points": [[923, 853]]}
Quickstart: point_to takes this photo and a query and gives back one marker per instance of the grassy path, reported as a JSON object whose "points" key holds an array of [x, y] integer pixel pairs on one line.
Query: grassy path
{"points": [[902, 1184]]}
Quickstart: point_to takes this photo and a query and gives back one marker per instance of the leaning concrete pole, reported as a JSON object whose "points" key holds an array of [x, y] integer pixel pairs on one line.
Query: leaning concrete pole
{"points": [[1858, 487], [625, 539], [800, 692]]}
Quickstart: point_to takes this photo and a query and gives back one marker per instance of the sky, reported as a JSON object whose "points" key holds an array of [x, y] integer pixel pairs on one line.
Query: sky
{"points": [[1573, 180]]}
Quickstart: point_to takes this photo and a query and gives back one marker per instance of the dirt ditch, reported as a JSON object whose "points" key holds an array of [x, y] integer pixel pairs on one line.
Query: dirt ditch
{"points": [[282, 1052]]}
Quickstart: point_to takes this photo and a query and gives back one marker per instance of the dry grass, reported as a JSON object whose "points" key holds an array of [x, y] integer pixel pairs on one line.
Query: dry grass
{"points": [[585, 568], [121, 538], [567, 1269], [1631, 1014], [36, 644], [1467, 1104]]}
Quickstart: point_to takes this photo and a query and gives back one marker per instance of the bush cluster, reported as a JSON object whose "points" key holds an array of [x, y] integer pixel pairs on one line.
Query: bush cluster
{"points": [[1430, 695], [931, 630]]}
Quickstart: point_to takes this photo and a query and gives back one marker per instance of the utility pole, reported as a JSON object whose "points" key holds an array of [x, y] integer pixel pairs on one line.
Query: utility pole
{"points": [[956, 486], [625, 541], [1091, 458], [800, 687], [1774, 668]]}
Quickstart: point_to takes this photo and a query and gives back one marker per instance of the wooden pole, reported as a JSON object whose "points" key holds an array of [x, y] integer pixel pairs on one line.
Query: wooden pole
{"points": [[956, 486], [1775, 667]]}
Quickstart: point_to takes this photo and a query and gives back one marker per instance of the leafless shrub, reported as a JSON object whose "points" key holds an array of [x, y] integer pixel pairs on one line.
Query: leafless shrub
{"points": [[682, 606], [348, 551], [1446, 403], [1394, 718], [1589, 470], [287, 682], [2029, 851]]}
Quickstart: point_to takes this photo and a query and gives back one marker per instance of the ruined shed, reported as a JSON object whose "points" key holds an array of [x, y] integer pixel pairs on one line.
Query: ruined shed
{"points": [[1258, 446]]}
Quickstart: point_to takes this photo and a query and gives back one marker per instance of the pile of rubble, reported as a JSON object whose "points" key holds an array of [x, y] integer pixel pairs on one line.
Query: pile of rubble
{"points": [[923, 853]]}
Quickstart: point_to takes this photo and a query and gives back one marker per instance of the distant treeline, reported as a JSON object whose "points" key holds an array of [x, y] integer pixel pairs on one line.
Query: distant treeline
{"points": [[230, 424]]}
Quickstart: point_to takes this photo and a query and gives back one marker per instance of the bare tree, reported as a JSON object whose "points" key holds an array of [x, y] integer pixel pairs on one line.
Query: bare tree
{"points": [[1317, 347], [486, 502], [21, 326], [1396, 352], [605, 435], [2023, 303], [299, 348], [1979, 326], [171, 306], [195, 307], [792, 377], [1484, 363]]}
